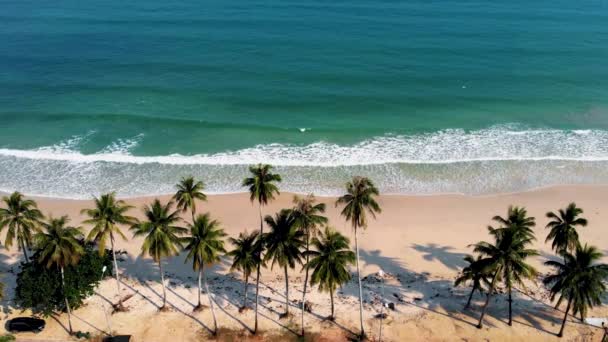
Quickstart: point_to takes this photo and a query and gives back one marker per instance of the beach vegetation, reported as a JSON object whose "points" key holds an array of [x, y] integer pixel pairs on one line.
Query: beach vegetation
{"points": [[21, 219], [562, 225], [330, 258], [283, 245], [162, 236], [308, 218], [476, 272], [579, 279], [262, 187], [188, 192], [204, 245], [106, 218], [358, 202], [244, 258]]}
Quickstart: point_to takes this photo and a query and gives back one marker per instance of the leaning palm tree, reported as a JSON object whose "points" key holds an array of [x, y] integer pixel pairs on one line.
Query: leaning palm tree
{"points": [[21, 216], [506, 259], [188, 191], [580, 279], [518, 219], [107, 217], [477, 273], [244, 258], [360, 199], [330, 259], [563, 228], [58, 246], [161, 235], [283, 245], [308, 218], [204, 244], [262, 188]]}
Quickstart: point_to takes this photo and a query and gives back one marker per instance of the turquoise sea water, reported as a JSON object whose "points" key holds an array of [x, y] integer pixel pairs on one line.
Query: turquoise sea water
{"points": [[424, 96]]}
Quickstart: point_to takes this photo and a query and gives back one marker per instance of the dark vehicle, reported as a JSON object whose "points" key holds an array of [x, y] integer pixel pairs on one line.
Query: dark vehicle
{"points": [[26, 324], [118, 338]]}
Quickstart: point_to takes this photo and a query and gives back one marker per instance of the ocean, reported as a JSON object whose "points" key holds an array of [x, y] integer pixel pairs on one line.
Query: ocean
{"points": [[424, 97]]}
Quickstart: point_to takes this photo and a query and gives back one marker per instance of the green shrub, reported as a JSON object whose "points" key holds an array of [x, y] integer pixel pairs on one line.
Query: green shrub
{"points": [[7, 338], [39, 288]]}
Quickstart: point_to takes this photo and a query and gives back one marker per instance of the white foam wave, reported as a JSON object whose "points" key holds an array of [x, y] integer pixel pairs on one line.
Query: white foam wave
{"points": [[448, 146]]}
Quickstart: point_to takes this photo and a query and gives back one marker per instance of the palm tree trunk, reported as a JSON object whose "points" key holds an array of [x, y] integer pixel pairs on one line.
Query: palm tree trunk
{"points": [[510, 300], [561, 330], [470, 297], [286, 292], [67, 303], [162, 281], [305, 280], [246, 286], [257, 277], [27, 259], [210, 301], [116, 271], [362, 334], [331, 296], [483, 311], [193, 213], [200, 288]]}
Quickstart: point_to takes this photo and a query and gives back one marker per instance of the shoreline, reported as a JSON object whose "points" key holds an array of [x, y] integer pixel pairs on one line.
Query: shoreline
{"points": [[420, 241]]}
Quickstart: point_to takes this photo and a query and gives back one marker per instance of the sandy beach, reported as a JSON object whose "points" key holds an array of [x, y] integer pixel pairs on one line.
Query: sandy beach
{"points": [[420, 241]]}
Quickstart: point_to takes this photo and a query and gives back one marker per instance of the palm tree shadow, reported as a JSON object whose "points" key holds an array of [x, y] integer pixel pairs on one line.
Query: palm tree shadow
{"points": [[56, 319], [90, 325], [443, 254]]}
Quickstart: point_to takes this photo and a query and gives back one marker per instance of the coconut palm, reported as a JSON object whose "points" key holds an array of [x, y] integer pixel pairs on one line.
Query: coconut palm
{"points": [[579, 279], [188, 191], [283, 244], [358, 201], [21, 217], [563, 228], [106, 218], [244, 258], [331, 257], [517, 218], [204, 244], [308, 218], [262, 188], [58, 246], [161, 235], [506, 259], [476, 273]]}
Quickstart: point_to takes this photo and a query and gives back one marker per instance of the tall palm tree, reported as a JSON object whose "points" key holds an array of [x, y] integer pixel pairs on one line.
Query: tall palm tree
{"points": [[188, 191], [360, 199], [330, 259], [161, 235], [308, 218], [107, 217], [563, 228], [58, 246], [283, 244], [477, 273], [262, 188], [244, 257], [506, 259], [518, 219], [579, 278], [21, 216], [204, 244]]}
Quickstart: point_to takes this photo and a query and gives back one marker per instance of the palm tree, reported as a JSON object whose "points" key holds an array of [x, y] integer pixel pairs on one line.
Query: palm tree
{"points": [[308, 217], [579, 279], [262, 188], [107, 217], [162, 235], [205, 244], [21, 216], [244, 258], [517, 218], [58, 246], [563, 228], [283, 244], [506, 259], [359, 200], [476, 273], [330, 259], [188, 191]]}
